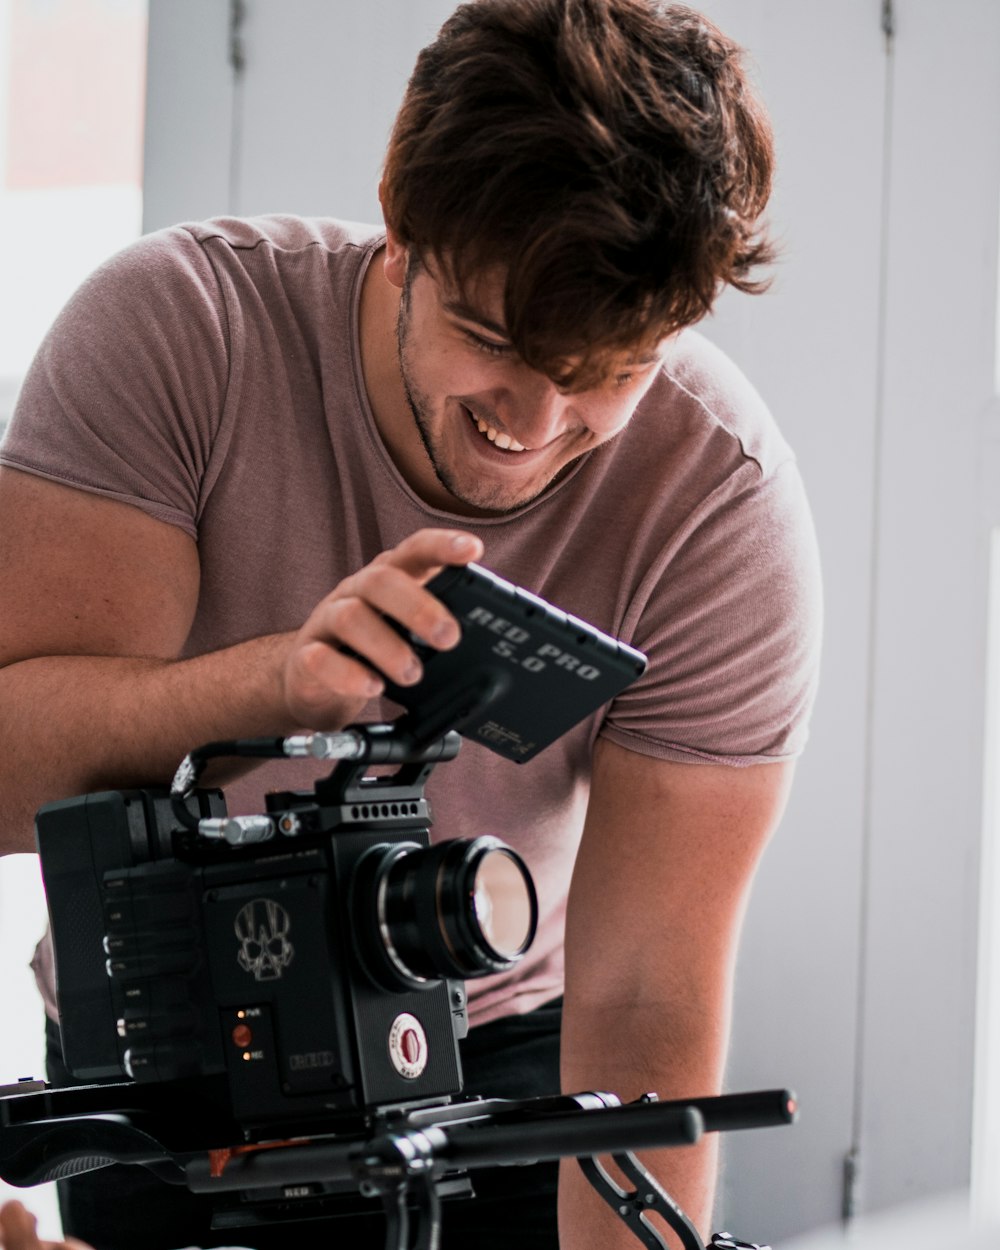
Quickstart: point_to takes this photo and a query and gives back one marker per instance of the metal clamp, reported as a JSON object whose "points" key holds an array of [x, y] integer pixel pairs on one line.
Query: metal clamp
{"points": [[634, 1205], [726, 1241], [400, 1169]]}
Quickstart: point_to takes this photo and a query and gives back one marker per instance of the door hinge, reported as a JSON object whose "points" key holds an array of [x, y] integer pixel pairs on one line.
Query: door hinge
{"points": [[237, 48], [888, 19], [849, 1195]]}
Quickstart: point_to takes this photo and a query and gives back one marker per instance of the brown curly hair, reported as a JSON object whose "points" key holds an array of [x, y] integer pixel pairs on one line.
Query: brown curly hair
{"points": [[609, 157]]}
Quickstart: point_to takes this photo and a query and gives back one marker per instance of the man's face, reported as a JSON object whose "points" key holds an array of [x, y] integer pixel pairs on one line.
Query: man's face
{"points": [[496, 431]]}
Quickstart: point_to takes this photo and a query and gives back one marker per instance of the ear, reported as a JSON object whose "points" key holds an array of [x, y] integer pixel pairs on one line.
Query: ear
{"points": [[395, 259]]}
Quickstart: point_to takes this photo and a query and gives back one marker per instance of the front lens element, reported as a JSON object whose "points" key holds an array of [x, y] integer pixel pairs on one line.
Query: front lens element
{"points": [[486, 904], [463, 908], [503, 904]]}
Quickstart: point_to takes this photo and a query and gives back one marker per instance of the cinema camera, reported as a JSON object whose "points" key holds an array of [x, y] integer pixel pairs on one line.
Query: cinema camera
{"points": [[284, 993]]}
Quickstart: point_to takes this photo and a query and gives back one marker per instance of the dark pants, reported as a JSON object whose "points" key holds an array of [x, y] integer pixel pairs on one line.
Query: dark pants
{"points": [[126, 1208]]}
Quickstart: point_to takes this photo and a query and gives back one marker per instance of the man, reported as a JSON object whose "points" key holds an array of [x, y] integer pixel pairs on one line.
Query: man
{"points": [[243, 443]]}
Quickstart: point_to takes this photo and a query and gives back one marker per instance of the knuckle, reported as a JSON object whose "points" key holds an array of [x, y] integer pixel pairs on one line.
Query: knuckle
{"points": [[343, 615], [307, 665], [347, 587], [437, 627], [380, 577], [428, 618], [319, 680]]}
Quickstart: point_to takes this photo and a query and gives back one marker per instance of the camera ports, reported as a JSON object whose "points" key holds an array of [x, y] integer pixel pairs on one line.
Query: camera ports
{"points": [[463, 908]]}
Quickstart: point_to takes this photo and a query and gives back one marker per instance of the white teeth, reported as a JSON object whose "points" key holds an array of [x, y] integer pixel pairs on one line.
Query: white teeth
{"points": [[503, 441]]}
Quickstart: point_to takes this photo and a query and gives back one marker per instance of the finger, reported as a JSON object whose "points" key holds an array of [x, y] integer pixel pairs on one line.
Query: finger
{"points": [[17, 1227], [319, 676], [356, 625], [328, 665], [427, 551], [397, 595]]}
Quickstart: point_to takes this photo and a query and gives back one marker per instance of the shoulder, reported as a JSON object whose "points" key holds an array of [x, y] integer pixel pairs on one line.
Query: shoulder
{"points": [[701, 439], [714, 409], [207, 284], [282, 232], [191, 259], [719, 551]]}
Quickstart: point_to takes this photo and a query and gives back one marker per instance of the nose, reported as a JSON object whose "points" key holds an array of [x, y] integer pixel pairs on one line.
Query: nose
{"points": [[541, 412]]}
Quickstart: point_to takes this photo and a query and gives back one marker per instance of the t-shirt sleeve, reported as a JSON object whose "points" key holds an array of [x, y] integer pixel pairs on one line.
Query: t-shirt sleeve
{"points": [[731, 623], [127, 391]]}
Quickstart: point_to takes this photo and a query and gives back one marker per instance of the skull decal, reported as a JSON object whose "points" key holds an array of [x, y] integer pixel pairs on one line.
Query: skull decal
{"points": [[262, 928]]}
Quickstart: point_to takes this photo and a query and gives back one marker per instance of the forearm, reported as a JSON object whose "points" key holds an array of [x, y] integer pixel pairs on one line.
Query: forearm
{"points": [[74, 724], [630, 1051], [659, 889]]}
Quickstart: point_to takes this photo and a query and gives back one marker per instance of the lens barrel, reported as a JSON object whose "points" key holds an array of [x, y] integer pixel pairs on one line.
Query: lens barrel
{"points": [[463, 908]]}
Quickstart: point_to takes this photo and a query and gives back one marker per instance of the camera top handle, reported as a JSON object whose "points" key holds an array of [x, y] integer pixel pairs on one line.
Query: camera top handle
{"points": [[425, 736]]}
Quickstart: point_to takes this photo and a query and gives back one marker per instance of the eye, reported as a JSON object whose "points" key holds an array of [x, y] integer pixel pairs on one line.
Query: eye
{"points": [[623, 379], [487, 345]]}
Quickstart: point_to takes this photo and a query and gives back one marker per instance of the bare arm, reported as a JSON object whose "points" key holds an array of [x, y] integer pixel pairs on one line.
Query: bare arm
{"points": [[98, 599], [658, 895]]}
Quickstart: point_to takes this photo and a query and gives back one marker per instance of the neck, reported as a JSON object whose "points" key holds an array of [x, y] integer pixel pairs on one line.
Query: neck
{"points": [[379, 313], [379, 357]]}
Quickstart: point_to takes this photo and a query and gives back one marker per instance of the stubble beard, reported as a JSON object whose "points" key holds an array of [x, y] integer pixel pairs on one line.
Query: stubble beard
{"points": [[492, 500]]}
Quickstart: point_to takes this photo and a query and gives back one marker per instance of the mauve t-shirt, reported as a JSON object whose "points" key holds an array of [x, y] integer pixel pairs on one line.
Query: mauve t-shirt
{"points": [[210, 375]]}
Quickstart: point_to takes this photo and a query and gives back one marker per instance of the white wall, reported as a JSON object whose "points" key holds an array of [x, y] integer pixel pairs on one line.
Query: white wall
{"points": [[796, 1019], [938, 495], [877, 351], [301, 129]]}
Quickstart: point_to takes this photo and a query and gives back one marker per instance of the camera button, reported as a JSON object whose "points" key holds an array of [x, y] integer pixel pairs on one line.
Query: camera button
{"points": [[242, 1036]]}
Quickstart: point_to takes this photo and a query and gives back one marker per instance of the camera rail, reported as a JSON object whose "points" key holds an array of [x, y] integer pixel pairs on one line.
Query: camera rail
{"points": [[404, 1158]]}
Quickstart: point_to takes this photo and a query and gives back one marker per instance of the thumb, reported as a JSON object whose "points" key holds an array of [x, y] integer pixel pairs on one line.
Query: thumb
{"points": [[18, 1231], [17, 1227]]}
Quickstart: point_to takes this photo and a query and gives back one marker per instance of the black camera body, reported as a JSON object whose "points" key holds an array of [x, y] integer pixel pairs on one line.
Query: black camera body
{"points": [[178, 958]]}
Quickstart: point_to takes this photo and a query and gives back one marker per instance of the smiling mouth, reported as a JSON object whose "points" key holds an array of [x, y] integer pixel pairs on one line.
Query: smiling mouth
{"points": [[497, 437]]}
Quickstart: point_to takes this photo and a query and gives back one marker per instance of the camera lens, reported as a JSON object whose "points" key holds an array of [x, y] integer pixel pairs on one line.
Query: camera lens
{"points": [[503, 907], [463, 908]]}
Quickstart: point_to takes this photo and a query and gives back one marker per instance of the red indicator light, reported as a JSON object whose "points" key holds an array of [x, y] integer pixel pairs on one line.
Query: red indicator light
{"points": [[242, 1037], [793, 1106]]}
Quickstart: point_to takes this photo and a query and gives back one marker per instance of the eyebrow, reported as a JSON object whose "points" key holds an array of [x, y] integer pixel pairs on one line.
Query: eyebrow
{"points": [[465, 312], [458, 308]]}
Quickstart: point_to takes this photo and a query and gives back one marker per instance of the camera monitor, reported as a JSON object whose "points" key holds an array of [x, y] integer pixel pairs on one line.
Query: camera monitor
{"points": [[544, 670]]}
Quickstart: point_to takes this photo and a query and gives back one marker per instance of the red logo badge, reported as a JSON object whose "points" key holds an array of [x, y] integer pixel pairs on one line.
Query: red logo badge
{"points": [[408, 1046]]}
